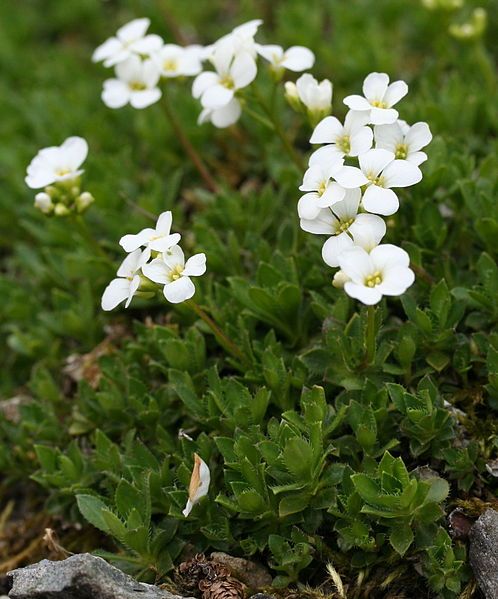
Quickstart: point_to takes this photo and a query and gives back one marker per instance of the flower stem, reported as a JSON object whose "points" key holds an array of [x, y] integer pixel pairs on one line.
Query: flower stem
{"points": [[277, 127], [91, 241], [221, 337], [188, 147], [370, 336]]}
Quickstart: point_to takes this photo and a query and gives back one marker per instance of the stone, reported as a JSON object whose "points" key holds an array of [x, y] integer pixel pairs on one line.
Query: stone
{"points": [[82, 576], [483, 553], [253, 575], [262, 596]]}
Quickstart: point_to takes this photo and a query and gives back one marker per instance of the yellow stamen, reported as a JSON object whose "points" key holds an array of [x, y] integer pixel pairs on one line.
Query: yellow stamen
{"points": [[176, 272], [378, 104], [373, 280], [401, 151]]}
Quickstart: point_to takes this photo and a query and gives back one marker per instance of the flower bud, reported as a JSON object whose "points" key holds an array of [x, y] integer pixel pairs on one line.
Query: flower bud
{"points": [[473, 29], [317, 97], [83, 201], [340, 279], [292, 96], [61, 210], [43, 202]]}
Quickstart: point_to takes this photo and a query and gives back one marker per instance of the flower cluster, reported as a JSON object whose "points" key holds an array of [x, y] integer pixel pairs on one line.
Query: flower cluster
{"points": [[154, 261], [351, 182], [140, 60], [234, 59], [57, 170]]}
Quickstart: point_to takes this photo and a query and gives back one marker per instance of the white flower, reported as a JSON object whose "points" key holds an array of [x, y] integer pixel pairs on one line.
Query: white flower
{"points": [[130, 40], [174, 273], [383, 271], [345, 227], [379, 171], [221, 117], [57, 163], [239, 40], [322, 191], [136, 84], [43, 202], [176, 61], [233, 72], [351, 139], [199, 484], [317, 97], [159, 239], [296, 58], [404, 141], [378, 98], [128, 281]]}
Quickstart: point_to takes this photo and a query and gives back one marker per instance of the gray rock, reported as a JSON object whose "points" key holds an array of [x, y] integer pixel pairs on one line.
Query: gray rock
{"points": [[81, 576], [483, 553], [260, 596]]}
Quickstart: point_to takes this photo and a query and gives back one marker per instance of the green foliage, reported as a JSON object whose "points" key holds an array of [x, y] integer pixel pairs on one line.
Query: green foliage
{"points": [[316, 452]]}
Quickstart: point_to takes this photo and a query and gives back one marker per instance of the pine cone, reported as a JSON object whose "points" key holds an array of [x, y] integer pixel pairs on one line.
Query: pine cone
{"points": [[191, 574], [223, 587]]}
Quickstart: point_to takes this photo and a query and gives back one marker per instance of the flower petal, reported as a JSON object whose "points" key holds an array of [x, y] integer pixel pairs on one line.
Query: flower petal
{"points": [[324, 224], [356, 264], [133, 30], [418, 137], [375, 161], [144, 98], [115, 94], [216, 96], [388, 137], [164, 222], [397, 280], [327, 131], [165, 242], [417, 158], [307, 207], [157, 271], [383, 116], [356, 102], [116, 292], [360, 141], [298, 58], [227, 115], [350, 177], [131, 242], [334, 247], [243, 70], [179, 291], [348, 207], [375, 86], [333, 193], [109, 48], [368, 230], [387, 256], [380, 200], [76, 151], [134, 285], [195, 266], [328, 156], [394, 93], [401, 173], [366, 295], [203, 81], [130, 264]]}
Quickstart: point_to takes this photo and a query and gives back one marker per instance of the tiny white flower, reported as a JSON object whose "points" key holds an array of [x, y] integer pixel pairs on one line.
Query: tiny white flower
{"points": [[159, 239], [296, 58], [136, 84], [221, 117], [345, 227], [317, 97], [130, 40], [383, 271], [177, 61], [126, 285], [340, 279], [199, 484], [233, 72], [43, 202], [379, 171], [57, 163], [174, 273], [378, 98], [351, 139], [404, 141], [321, 190], [240, 39]]}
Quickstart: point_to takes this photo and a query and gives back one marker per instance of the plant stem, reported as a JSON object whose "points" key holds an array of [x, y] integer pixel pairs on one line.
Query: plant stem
{"points": [[277, 127], [370, 336], [85, 233], [221, 337], [188, 147]]}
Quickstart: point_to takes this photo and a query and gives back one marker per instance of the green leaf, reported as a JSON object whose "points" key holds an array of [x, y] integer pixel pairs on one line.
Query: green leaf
{"points": [[92, 509], [401, 537]]}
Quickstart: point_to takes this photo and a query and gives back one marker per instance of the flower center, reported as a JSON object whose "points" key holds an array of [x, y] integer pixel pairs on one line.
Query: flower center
{"points": [[60, 172], [170, 64], [401, 151], [344, 144], [373, 280], [378, 104], [227, 82], [344, 225], [176, 272], [137, 86], [321, 188], [376, 179]]}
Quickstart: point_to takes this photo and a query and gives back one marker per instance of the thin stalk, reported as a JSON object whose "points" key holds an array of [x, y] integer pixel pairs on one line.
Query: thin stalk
{"points": [[370, 336], [277, 127], [91, 241], [220, 335], [188, 147]]}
